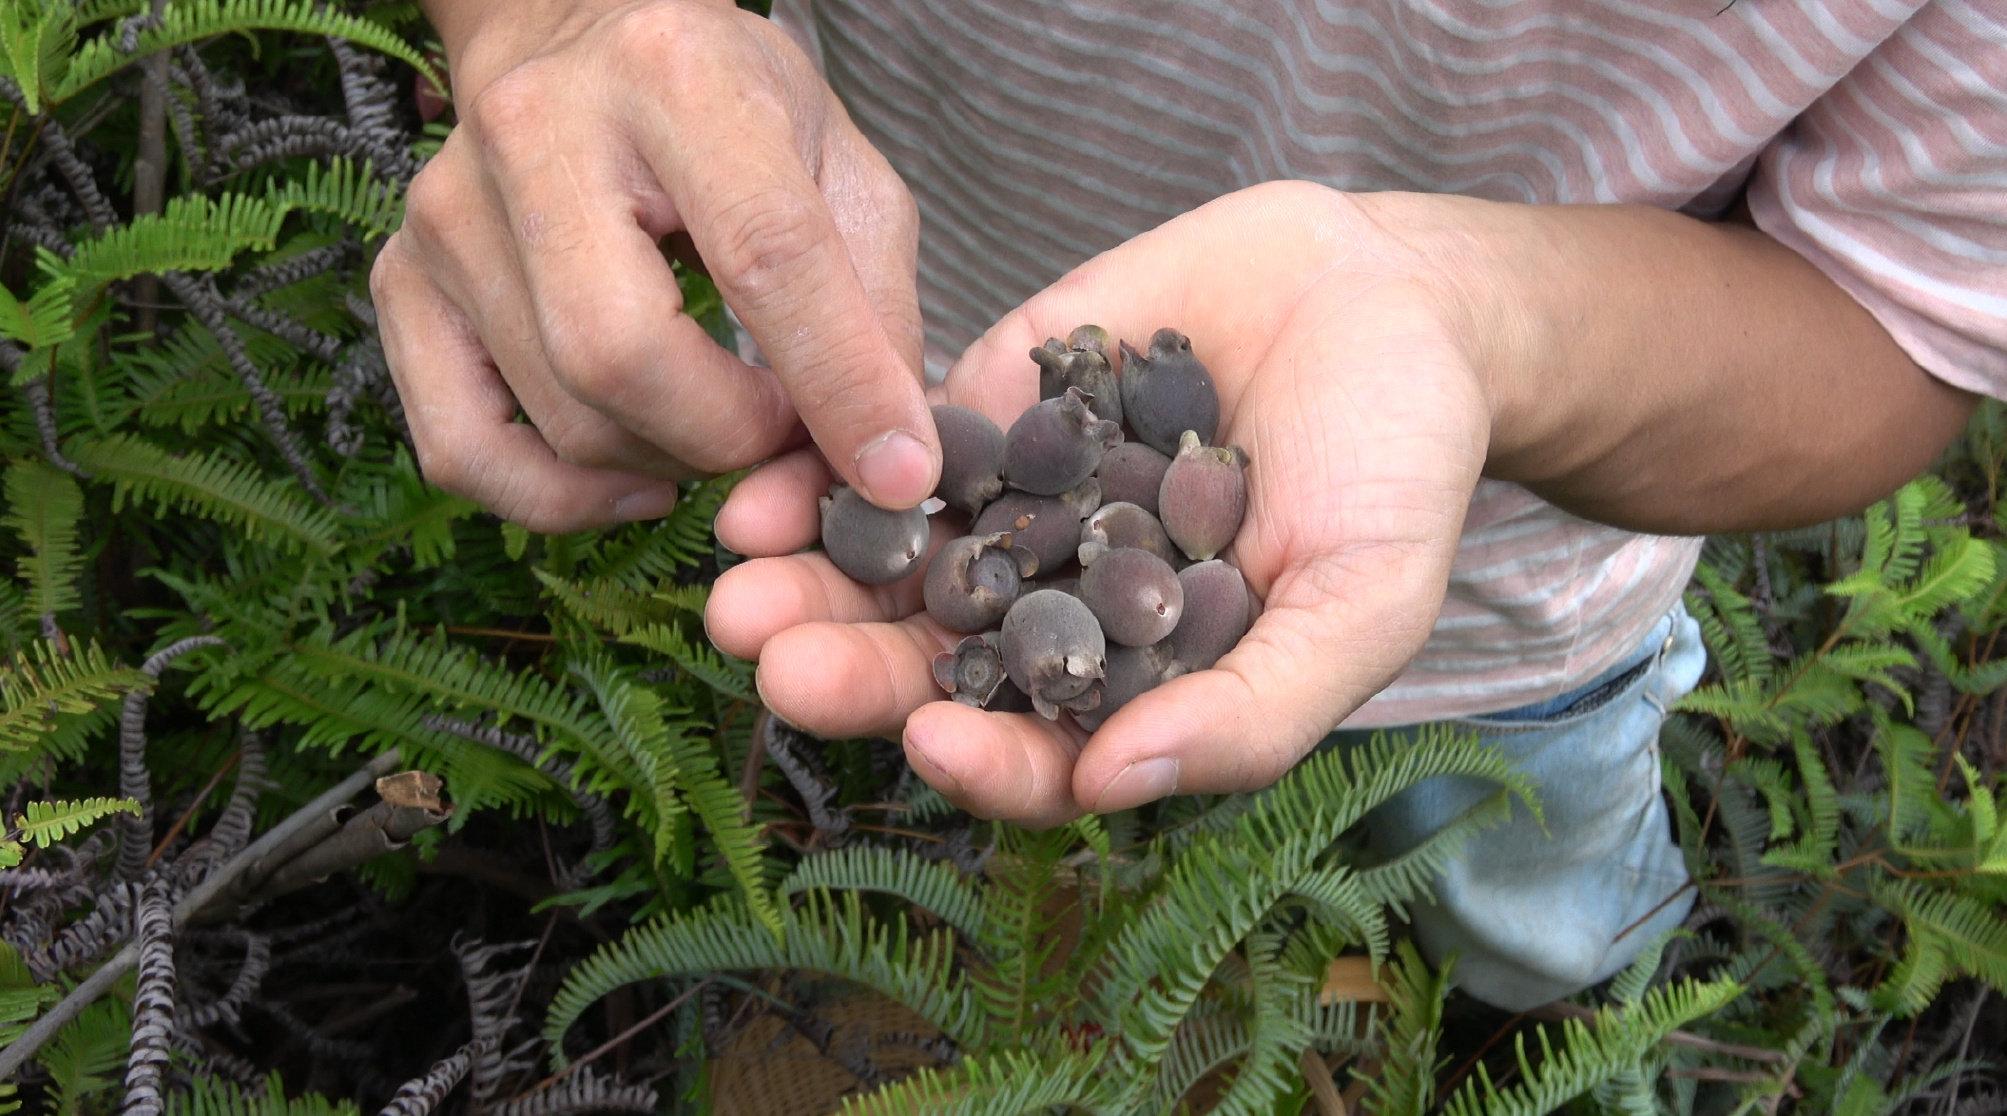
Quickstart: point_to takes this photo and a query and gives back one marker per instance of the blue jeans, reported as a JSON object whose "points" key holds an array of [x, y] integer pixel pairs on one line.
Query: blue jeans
{"points": [[1534, 915]]}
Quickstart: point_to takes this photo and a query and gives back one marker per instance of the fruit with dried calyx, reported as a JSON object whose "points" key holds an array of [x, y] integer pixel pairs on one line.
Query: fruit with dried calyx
{"points": [[972, 457], [1134, 594], [1166, 392], [1054, 651], [1131, 473], [868, 543], [1080, 361], [1204, 496], [973, 674], [1115, 526], [1056, 444], [1048, 526], [1218, 611], [972, 581]]}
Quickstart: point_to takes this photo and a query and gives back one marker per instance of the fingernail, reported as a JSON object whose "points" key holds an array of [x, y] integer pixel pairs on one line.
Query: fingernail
{"points": [[1140, 782], [941, 779], [649, 503], [896, 469]]}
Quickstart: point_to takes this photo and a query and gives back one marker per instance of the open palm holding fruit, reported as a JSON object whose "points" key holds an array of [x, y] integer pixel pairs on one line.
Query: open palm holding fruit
{"points": [[1308, 438]]}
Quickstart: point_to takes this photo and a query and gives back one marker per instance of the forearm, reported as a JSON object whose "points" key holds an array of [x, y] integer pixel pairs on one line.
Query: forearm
{"points": [[1661, 373]]}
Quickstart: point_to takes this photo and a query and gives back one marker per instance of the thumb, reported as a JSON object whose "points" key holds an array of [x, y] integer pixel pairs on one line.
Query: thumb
{"points": [[1337, 631]]}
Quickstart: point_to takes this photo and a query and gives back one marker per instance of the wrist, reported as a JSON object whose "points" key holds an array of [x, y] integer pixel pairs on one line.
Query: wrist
{"points": [[485, 39], [1483, 263]]}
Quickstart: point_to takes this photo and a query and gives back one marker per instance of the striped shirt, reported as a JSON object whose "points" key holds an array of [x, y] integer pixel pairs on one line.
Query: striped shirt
{"points": [[1868, 135]]}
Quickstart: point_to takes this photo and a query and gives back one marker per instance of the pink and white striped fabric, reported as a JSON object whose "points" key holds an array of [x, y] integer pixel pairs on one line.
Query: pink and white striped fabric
{"points": [[1869, 135]]}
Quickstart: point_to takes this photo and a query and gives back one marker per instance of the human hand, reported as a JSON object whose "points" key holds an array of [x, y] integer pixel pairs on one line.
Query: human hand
{"points": [[529, 272], [1345, 368]]}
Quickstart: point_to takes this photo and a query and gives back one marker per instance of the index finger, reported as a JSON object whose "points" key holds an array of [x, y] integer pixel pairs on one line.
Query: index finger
{"points": [[766, 235]]}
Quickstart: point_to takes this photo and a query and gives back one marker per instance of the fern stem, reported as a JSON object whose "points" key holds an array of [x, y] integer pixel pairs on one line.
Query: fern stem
{"points": [[607, 1047], [152, 1005]]}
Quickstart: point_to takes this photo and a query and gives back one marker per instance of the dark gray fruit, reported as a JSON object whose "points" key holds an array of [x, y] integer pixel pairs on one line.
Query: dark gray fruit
{"points": [[1204, 497], [1048, 526], [973, 674], [1218, 612], [1068, 584], [1115, 526], [972, 581], [1131, 473], [868, 543], [1132, 672], [1056, 444], [1134, 594], [1080, 361], [1167, 392], [972, 453], [1053, 650]]}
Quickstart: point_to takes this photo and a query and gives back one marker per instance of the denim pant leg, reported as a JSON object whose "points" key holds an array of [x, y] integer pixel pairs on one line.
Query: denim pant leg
{"points": [[1535, 915]]}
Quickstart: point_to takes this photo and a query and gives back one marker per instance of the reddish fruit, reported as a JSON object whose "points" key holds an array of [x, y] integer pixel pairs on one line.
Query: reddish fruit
{"points": [[1081, 361], [1132, 672], [1204, 497]]}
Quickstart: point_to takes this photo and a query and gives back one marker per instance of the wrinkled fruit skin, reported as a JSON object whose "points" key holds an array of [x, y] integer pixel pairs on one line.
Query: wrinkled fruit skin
{"points": [[972, 455], [1131, 473], [1054, 651], [1132, 672], [1062, 366], [1135, 595], [973, 674], [1048, 526], [1168, 392], [868, 543], [1219, 610], [974, 580], [1056, 444], [1204, 497], [1116, 526]]}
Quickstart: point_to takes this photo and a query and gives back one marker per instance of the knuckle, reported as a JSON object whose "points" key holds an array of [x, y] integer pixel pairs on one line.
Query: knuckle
{"points": [[511, 108], [765, 241], [597, 360], [446, 461], [430, 197]]}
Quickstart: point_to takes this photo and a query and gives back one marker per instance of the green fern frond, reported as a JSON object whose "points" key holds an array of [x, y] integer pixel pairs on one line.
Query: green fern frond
{"points": [[36, 42], [1949, 935], [192, 397], [1005, 1083], [192, 232], [1592, 1052], [644, 555], [1813, 853], [86, 1056], [1731, 628], [1338, 898], [1405, 1082], [1412, 875], [1204, 1042], [44, 320], [603, 602], [45, 823], [42, 685], [371, 206], [1022, 907], [43, 507], [229, 492], [928, 884], [216, 1096], [191, 21], [730, 677], [1277, 1032], [832, 937]]}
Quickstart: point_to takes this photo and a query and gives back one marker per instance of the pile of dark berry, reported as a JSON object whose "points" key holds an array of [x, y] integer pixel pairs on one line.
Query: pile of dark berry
{"points": [[1143, 518]]}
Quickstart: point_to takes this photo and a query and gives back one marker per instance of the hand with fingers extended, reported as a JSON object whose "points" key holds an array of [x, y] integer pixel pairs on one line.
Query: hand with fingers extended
{"points": [[1348, 374], [530, 274]]}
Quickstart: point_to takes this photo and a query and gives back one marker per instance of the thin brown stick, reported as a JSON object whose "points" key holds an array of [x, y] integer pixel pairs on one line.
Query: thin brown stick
{"points": [[181, 822], [1323, 1089]]}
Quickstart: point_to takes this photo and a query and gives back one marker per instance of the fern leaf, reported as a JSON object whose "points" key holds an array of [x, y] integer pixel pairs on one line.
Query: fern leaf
{"points": [[1405, 1082], [728, 676], [42, 322], [1277, 1032], [192, 232], [1006, 1081], [191, 21], [46, 823], [229, 492], [41, 686], [832, 937], [1949, 935], [43, 507], [1592, 1053], [928, 884]]}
